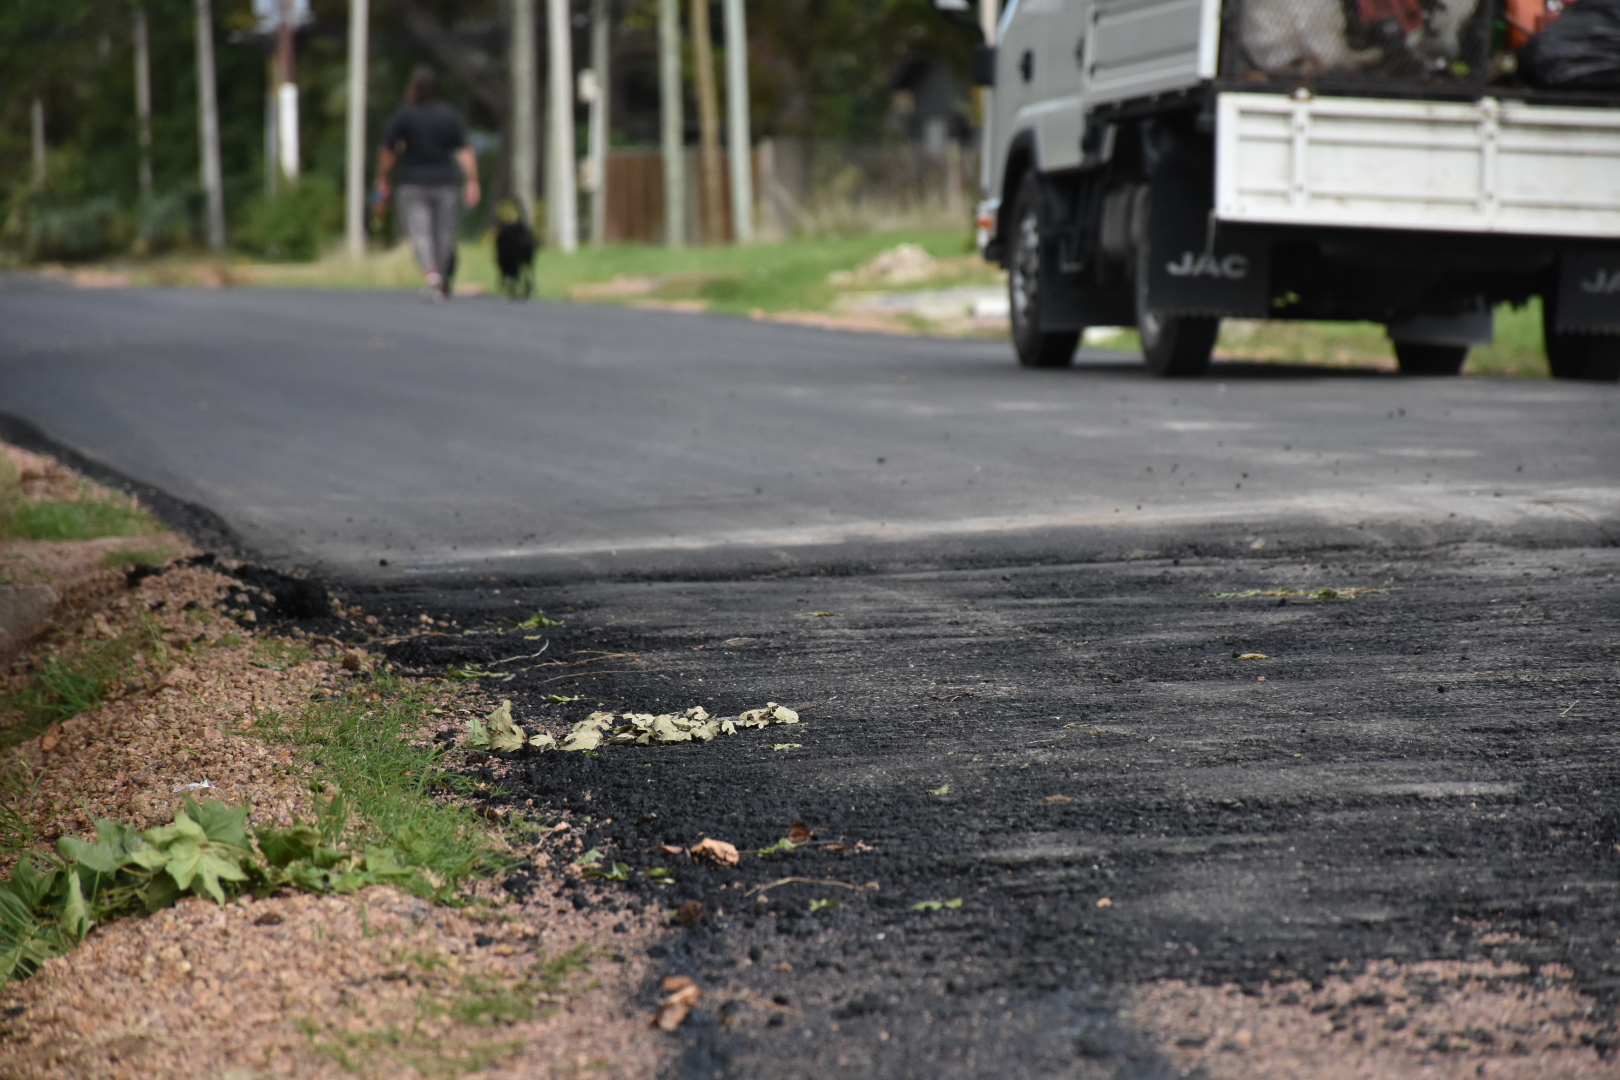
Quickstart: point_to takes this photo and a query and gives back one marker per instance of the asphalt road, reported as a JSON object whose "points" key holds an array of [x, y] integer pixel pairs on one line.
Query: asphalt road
{"points": [[335, 430], [1023, 691]]}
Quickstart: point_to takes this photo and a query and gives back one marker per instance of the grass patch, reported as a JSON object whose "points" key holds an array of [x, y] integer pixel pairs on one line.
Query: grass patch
{"points": [[149, 556], [790, 275], [79, 519], [279, 654], [76, 679], [360, 745], [1516, 352], [471, 1001]]}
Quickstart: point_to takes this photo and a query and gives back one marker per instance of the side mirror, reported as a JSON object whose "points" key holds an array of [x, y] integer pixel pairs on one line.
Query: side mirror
{"points": [[984, 65]]}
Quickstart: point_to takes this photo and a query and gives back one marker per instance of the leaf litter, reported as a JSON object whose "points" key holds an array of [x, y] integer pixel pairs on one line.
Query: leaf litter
{"points": [[499, 731]]}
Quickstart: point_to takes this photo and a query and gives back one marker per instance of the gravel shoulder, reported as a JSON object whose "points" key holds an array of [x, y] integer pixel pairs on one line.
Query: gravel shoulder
{"points": [[377, 983]]}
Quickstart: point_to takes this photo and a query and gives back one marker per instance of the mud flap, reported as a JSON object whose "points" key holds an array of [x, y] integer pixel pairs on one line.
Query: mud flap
{"points": [[1589, 292], [1197, 269]]}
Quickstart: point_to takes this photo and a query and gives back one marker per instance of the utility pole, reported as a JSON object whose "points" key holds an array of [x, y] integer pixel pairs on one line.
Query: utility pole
{"points": [[208, 125], [36, 127], [523, 90], [601, 118], [738, 138], [669, 113], [143, 100], [988, 13], [354, 180], [286, 91], [708, 124], [562, 206]]}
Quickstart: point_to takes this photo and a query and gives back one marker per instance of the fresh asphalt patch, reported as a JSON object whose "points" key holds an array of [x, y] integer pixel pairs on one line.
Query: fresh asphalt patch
{"points": [[1028, 790]]}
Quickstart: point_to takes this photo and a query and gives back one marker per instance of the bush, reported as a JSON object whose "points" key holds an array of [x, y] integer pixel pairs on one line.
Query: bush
{"points": [[293, 225], [40, 227], [167, 220]]}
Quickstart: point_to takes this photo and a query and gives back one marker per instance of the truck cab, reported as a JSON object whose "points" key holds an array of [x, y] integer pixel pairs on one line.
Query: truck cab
{"points": [[1170, 163]]}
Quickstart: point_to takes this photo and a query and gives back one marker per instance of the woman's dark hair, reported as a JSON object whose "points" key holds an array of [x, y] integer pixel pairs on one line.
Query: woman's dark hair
{"points": [[422, 86]]}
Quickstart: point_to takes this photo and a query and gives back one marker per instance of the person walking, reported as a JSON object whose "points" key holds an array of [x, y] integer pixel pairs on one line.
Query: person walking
{"points": [[422, 147]]}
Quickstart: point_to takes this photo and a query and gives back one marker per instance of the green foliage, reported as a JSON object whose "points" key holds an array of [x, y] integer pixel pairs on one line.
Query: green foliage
{"points": [[86, 518], [390, 786], [47, 906], [149, 556], [76, 679], [535, 622], [40, 227], [296, 223]]}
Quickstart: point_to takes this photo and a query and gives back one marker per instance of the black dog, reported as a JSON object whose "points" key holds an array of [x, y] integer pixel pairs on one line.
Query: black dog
{"points": [[515, 246]]}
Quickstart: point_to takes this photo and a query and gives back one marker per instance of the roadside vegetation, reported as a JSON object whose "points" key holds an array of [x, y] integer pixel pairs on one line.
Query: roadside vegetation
{"points": [[87, 513]]}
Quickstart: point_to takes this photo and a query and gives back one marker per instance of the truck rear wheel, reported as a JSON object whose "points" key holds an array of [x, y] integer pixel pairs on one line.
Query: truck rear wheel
{"points": [[1416, 359], [1577, 356], [1174, 346], [1036, 348]]}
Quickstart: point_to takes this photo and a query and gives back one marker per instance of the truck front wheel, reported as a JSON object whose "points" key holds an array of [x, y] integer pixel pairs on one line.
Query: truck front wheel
{"points": [[1036, 348], [1416, 359]]}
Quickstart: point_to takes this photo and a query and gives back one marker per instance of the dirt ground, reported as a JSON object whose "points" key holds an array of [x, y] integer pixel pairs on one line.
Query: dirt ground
{"points": [[378, 983]]}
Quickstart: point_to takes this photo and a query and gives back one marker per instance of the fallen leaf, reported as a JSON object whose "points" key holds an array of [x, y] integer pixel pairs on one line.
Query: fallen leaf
{"points": [[821, 905], [1254, 656], [824, 614], [787, 746], [684, 994], [715, 851], [799, 833], [52, 736], [671, 849], [936, 905], [1105, 902], [943, 789], [691, 912], [1058, 798]]}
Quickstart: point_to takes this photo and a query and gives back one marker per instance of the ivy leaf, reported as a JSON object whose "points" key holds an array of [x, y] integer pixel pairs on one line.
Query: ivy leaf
{"points": [[74, 918], [222, 824], [28, 885], [282, 847], [187, 856]]}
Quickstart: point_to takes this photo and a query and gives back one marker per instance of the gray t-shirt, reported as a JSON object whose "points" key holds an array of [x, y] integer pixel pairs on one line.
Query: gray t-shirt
{"points": [[431, 133]]}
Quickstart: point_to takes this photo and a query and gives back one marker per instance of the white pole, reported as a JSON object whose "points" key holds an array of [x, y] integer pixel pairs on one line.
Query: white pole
{"points": [[601, 117], [354, 190], [208, 125], [523, 91], [738, 140], [36, 127], [287, 92], [669, 111], [988, 12], [143, 100], [562, 207]]}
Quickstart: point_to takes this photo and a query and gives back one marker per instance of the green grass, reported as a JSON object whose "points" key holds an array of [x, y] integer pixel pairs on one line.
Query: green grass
{"points": [[83, 519], [135, 556], [360, 745], [74, 680], [781, 276]]}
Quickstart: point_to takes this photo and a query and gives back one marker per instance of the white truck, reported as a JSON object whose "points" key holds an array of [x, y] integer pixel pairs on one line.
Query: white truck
{"points": [[1169, 163]]}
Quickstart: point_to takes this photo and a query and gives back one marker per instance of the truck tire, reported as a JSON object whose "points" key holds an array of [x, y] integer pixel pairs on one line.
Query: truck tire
{"points": [[1595, 357], [1417, 359], [1174, 346], [1036, 348]]}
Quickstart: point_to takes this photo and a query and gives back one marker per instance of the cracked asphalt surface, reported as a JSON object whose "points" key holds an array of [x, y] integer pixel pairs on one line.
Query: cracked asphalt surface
{"points": [[1020, 693]]}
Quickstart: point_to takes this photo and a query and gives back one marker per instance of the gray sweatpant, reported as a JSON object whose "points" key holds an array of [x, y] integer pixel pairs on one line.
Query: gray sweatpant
{"points": [[428, 212]]}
